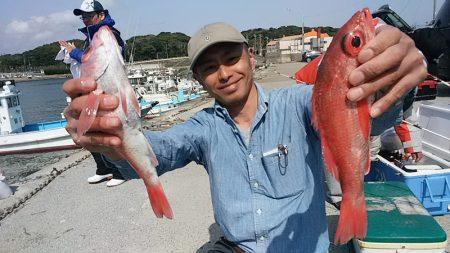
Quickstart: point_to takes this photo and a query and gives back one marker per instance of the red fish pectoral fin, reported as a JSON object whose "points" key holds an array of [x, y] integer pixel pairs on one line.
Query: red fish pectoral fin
{"points": [[89, 112], [329, 159], [364, 123], [158, 200], [364, 117], [352, 220]]}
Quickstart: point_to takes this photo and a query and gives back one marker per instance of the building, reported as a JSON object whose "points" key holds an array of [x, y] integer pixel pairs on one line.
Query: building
{"points": [[289, 48]]}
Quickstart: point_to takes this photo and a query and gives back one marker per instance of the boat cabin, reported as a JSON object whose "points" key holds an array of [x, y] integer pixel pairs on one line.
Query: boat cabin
{"points": [[11, 120]]}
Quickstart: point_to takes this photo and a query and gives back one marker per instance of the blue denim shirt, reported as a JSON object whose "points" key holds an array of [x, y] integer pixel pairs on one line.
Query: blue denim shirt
{"points": [[265, 199]]}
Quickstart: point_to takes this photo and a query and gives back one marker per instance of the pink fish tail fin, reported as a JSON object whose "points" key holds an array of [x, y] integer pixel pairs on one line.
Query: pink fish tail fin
{"points": [[89, 112], [352, 220], [158, 200]]}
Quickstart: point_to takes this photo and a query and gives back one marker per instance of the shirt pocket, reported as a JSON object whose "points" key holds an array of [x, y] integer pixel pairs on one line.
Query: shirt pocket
{"points": [[285, 173]]}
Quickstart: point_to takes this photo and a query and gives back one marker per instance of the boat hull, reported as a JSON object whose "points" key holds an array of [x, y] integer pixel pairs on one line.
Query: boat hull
{"points": [[36, 141]]}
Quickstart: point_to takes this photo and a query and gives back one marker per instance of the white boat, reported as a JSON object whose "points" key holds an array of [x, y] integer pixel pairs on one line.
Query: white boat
{"points": [[16, 137]]}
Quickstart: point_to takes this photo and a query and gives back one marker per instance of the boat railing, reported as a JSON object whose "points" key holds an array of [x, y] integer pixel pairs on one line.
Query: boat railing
{"points": [[45, 125]]}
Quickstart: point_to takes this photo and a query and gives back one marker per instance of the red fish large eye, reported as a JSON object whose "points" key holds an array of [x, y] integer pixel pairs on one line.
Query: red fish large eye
{"points": [[352, 43]]}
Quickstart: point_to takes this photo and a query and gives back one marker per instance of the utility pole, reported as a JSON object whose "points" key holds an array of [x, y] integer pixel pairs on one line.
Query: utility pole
{"points": [[303, 37], [167, 54], [260, 45], [255, 46]]}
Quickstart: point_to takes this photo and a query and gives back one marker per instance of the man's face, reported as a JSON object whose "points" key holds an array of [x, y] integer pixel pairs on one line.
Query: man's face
{"points": [[226, 71], [92, 18]]}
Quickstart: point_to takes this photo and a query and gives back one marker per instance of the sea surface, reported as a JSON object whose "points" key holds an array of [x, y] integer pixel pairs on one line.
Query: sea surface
{"points": [[41, 100]]}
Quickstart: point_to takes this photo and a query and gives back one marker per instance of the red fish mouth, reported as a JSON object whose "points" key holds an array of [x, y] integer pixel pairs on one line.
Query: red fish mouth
{"points": [[368, 16]]}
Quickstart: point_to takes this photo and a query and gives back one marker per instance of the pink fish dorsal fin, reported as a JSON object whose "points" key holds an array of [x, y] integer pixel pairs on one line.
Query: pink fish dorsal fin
{"points": [[329, 159], [89, 112]]}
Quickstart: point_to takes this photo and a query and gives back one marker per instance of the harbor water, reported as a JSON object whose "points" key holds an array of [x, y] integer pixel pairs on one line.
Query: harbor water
{"points": [[41, 100]]}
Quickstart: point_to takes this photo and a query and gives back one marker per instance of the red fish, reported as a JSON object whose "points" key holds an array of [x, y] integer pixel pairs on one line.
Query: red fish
{"points": [[104, 63], [344, 126]]}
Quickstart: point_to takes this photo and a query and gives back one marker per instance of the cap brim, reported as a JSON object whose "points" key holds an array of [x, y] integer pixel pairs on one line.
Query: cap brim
{"points": [[77, 12]]}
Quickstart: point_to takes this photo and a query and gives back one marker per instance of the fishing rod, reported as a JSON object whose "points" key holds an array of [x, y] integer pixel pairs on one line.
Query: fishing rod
{"points": [[422, 128], [440, 80]]}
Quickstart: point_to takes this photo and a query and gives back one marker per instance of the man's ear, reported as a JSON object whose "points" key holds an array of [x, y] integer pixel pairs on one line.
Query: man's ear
{"points": [[251, 57]]}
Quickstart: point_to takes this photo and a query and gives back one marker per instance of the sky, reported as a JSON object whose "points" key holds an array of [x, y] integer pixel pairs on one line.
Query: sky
{"points": [[27, 24]]}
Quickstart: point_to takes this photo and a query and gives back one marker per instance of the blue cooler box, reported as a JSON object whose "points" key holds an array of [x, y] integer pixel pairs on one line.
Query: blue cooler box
{"points": [[429, 183]]}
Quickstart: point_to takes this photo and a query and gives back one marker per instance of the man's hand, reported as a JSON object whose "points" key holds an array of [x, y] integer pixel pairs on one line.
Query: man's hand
{"points": [[67, 45], [390, 62], [415, 156], [104, 134]]}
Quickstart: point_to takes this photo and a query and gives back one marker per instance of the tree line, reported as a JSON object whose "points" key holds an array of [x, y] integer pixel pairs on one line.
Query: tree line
{"points": [[138, 48]]}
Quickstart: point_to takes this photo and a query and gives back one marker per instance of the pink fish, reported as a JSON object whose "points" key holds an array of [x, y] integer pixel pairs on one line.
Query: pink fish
{"points": [[103, 62], [344, 126]]}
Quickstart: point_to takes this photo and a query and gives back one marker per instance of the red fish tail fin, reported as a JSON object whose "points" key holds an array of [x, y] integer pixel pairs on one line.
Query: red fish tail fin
{"points": [[352, 220], [89, 112], [158, 200]]}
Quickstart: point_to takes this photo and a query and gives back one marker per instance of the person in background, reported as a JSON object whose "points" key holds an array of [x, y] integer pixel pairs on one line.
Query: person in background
{"points": [[260, 150], [95, 16], [410, 135]]}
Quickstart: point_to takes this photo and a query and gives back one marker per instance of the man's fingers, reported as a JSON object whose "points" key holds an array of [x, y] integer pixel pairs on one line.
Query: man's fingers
{"points": [[77, 87], [398, 90], [99, 141], [108, 103], [381, 63], [386, 37]]}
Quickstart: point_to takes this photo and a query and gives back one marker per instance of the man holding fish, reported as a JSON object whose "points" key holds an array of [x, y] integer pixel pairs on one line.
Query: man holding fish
{"points": [[261, 150]]}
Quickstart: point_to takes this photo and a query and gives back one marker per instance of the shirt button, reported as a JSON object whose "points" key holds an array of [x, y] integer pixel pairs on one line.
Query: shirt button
{"points": [[250, 156], [259, 211], [261, 238], [256, 185]]}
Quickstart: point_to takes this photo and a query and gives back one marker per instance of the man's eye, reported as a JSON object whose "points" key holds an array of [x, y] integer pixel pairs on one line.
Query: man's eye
{"points": [[232, 59], [208, 68]]}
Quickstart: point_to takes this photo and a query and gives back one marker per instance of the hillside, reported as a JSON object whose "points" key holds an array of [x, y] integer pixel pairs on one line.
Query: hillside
{"points": [[138, 48]]}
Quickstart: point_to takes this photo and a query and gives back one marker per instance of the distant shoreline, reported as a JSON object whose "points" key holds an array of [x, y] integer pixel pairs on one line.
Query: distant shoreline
{"points": [[47, 77]]}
